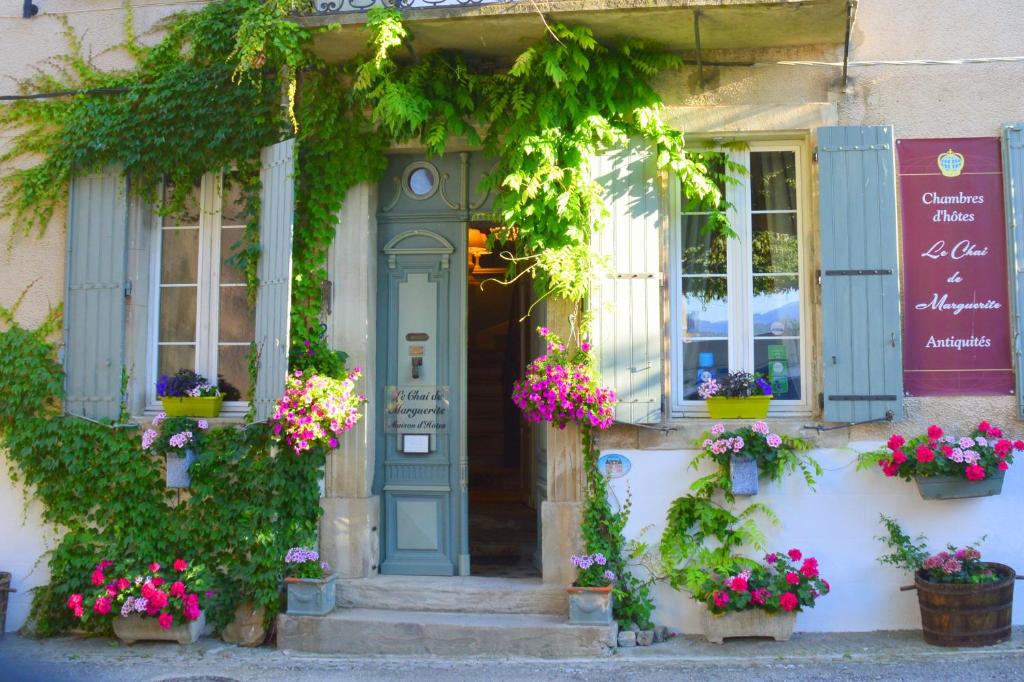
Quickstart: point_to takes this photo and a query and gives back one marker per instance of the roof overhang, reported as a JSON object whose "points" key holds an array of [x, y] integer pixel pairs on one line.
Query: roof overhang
{"points": [[501, 30]]}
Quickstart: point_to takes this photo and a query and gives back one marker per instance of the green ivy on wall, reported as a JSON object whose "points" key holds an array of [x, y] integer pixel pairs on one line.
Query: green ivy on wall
{"points": [[208, 96], [106, 498]]}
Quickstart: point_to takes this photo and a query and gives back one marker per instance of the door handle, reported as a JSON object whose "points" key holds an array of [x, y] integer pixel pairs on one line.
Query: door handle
{"points": [[417, 363]]}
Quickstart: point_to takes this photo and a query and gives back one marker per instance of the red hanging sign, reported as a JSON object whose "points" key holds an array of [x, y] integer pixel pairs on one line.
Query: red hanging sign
{"points": [[956, 303]]}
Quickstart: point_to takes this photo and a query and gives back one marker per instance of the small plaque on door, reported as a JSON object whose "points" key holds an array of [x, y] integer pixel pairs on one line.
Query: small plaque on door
{"points": [[415, 443], [417, 336]]}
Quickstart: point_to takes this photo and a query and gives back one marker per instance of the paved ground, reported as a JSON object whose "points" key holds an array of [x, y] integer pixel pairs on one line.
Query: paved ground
{"points": [[850, 656]]}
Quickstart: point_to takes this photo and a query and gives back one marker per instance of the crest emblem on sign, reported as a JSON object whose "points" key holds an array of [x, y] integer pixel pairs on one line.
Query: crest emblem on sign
{"points": [[951, 163]]}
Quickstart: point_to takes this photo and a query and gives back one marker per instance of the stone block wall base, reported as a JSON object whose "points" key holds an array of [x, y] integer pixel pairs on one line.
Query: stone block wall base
{"points": [[349, 535], [560, 531]]}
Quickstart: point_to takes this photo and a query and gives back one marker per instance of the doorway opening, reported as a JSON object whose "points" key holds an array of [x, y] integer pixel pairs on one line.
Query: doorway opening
{"points": [[503, 533]]}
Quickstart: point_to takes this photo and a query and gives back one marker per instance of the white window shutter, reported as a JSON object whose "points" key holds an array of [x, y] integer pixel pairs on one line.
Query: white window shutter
{"points": [[273, 296], [626, 300], [94, 304]]}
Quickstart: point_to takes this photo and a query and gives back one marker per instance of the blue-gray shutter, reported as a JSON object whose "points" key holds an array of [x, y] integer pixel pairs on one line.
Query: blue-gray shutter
{"points": [[862, 341], [1013, 193], [94, 304], [273, 297], [626, 300]]}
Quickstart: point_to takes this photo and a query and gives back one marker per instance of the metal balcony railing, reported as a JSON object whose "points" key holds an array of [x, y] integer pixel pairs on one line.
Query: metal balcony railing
{"points": [[356, 6]]}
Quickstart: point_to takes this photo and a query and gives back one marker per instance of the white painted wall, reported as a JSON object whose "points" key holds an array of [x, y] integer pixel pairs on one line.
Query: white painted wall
{"points": [[837, 524], [23, 539]]}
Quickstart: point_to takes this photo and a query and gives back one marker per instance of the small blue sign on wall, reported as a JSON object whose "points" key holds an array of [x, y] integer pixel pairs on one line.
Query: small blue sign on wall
{"points": [[614, 465]]}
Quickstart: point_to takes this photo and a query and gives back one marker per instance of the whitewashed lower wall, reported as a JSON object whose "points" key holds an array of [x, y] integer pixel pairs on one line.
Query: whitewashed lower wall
{"points": [[837, 524], [23, 540]]}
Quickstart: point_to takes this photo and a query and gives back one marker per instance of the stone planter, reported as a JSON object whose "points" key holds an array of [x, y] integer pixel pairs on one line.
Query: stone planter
{"points": [[743, 475], [749, 623], [752, 407], [590, 605], [311, 596], [249, 626], [137, 627], [956, 487], [177, 474], [192, 407]]}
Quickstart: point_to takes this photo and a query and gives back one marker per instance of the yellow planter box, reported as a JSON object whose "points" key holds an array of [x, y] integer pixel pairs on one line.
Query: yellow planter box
{"points": [[192, 407], [754, 407]]}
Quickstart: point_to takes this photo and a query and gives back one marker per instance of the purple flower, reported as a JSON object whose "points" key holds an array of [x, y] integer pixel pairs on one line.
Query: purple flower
{"points": [[608, 575], [773, 440], [148, 437], [765, 387]]}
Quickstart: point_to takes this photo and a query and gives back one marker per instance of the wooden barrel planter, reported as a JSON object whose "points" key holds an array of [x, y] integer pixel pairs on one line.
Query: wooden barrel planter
{"points": [[966, 615]]}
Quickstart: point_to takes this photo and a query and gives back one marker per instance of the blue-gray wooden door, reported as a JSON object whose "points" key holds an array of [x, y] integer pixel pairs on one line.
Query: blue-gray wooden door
{"points": [[421, 468]]}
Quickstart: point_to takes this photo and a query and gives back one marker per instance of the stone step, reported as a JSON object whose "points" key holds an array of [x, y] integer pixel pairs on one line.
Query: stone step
{"points": [[418, 633], [470, 594]]}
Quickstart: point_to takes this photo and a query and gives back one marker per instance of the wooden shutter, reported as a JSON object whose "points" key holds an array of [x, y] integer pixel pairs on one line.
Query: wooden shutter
{"points": [[1013, 176], [273, 297], [862, 344], [94, 304], [626, 301]]}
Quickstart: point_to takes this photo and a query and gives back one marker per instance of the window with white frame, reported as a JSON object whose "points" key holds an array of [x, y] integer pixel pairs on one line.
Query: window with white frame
{"points": [[740, 303], [202, 318]]}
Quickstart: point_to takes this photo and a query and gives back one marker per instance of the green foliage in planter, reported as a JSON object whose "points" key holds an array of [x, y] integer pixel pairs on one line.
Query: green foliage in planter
{"points": [[702, 535], [106, 496], [789, 457], [602, 531]]}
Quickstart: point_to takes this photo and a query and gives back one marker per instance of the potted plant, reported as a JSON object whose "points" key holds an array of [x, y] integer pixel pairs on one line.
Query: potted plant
{"points": [[744, 455], [178, 439], [311, 585], [740, 395], [750, 599], [964, 601], [945, 467], [590, 596], [188, 394], [316, 409], [150, 604]]}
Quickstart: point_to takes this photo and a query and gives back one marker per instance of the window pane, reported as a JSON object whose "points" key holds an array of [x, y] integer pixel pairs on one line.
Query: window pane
{"points": [[187, 214], [230, 244], [772, 181], [779, 361], [237, 318], [172, 358], [776, 306], [715, 164], [775, 242], [179, 256], [701, 253], [700, 360], [233, 371], [705, 307], [232, 207], [178, 313]]}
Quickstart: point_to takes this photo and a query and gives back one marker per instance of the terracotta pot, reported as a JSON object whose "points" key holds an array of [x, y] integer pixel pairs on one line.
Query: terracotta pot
{"points": [[249, 626], [749, 623], [590, 605], [753, 407], [137, 627], [311, 596]]}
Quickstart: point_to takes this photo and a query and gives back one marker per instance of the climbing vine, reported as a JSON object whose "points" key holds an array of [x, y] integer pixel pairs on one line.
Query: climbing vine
{"points": [[106, 499], [207, 97]]}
